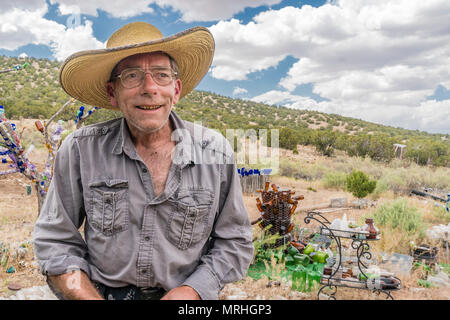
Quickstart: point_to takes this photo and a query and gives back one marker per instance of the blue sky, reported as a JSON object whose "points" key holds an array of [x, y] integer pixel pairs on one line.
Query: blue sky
{"points": [[384, 61]]}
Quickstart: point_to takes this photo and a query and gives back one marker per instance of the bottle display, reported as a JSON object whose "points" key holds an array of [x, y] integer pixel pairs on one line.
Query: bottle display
{"points": [[351, 265]]}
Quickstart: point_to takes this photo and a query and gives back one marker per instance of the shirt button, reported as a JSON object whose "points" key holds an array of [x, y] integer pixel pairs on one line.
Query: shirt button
{"points": [[144, 271], [144, 170], [147, 238]]}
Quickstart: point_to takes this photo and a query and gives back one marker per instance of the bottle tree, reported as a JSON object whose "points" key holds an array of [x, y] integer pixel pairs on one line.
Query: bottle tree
{"points": [[12, 151]]}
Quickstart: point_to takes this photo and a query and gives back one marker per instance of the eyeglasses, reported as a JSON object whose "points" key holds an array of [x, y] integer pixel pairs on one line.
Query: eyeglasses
{"points": [[133, 77]]}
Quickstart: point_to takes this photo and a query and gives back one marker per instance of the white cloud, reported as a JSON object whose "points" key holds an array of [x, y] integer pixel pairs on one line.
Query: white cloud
{"points": [[359, 54], [22, 4], [21, 26], [75, 39], [117, 8], [239, 90], [212, 10], [285, 98], [23, 55], [198, 10]]}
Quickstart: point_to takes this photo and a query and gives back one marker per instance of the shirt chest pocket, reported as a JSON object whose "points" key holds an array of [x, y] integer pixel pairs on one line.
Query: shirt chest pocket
{"points": [[189, 217], [108, 206]]}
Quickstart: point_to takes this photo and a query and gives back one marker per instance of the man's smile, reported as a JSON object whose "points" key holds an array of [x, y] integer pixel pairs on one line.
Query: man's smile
{"points": [[149, 107]]}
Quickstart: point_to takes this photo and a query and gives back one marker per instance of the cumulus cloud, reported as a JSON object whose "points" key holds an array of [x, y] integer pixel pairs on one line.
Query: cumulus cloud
{"points": [[22, 4], [358, 54], [117, 8], [212, 10], [285, 98], [239, 90], [21, 25], [199, 10]]}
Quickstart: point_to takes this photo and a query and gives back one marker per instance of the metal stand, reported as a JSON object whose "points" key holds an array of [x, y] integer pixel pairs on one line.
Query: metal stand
{"points": [[363, 256]]}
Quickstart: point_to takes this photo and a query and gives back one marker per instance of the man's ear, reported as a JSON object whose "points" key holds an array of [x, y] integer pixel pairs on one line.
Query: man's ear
{"points": [[178, 88], [111, 92]]}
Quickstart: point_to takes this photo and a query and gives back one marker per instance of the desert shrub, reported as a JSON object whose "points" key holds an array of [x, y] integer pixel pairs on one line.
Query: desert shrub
{"points": [[314, 171], [325, 141], [403, 180], [298, 170], [288, 138], [335, 179], [395, 182], [288, 168], [359, 184], [439, 215], [438, 178], [399, 216], [379, 189], [367, 165]]}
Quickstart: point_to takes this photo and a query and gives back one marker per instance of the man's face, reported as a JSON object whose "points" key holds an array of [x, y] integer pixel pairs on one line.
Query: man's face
{"points": [[147, 106]]}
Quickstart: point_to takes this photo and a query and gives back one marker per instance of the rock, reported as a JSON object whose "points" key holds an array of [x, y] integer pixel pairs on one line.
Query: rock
{"points": [[338, 203], [360, 204], [14, 286]]}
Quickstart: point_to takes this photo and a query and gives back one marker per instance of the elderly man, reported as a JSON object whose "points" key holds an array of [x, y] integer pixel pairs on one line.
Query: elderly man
{"points": [[160, 197]]}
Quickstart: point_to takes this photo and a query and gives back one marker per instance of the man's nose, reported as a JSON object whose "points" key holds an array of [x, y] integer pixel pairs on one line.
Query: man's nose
{"points": [[149, 83]]}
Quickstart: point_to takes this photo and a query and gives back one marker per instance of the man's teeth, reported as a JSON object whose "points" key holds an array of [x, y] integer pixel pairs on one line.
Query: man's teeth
{"points": [[149, 107]]}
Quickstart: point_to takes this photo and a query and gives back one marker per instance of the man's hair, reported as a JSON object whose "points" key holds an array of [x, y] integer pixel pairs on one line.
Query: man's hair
{"points": [[173, 65]]}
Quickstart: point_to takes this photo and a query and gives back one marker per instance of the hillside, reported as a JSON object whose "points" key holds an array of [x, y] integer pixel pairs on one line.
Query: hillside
{"points": [[34, 92]]}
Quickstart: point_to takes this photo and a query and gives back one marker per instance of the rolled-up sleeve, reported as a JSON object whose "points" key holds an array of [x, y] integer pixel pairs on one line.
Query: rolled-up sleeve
{"points": [[231, 249], [58, 244]]}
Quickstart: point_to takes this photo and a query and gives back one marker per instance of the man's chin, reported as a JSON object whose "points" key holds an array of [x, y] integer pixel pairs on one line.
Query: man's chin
{"points": [[149, 127]]}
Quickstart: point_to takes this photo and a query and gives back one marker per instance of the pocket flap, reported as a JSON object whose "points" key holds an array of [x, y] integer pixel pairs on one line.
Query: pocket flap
{"points": [[110, 183], [194, 198]]}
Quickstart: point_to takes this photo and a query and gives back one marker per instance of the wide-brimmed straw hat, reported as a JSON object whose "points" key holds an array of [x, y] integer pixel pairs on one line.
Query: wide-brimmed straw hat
{"points": [[84, 74]]}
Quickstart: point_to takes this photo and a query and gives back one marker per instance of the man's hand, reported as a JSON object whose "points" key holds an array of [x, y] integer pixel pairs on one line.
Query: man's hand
{"points": [[182, 293]]}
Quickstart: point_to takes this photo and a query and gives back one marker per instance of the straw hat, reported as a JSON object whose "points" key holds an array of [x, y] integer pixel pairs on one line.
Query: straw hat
{"points": [[84, 74]]}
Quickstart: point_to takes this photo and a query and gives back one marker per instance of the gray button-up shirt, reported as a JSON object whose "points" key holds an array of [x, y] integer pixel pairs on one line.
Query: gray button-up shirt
{"points": [[196, 232]]}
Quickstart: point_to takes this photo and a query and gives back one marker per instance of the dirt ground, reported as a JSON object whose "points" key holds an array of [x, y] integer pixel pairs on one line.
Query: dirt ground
{"points": [[18, 212]]}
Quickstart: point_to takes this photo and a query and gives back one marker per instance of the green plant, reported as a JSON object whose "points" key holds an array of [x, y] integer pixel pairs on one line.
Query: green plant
{"points": [[359, 185], [398, 215], [325, 141], [379, 189], [440, 215], [335, 179]]}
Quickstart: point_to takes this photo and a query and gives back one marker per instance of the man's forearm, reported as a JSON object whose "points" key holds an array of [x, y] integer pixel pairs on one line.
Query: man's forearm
{"points": [[75, 285]]}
